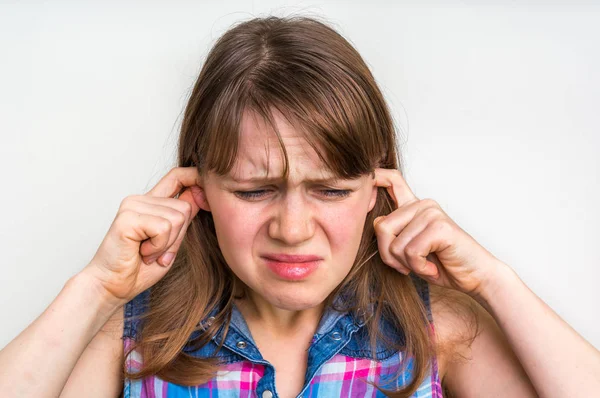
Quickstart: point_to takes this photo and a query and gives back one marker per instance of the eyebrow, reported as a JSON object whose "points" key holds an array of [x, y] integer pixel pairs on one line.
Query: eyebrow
{"points": [[264, 180]]}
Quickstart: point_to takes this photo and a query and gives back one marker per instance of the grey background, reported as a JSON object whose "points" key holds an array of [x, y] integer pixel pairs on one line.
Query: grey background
{"points": [[497, 103]]}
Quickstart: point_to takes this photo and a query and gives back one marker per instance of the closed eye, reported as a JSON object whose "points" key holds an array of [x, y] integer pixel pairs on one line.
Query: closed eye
{"points": [[330, 193], [340, 193], [250, 194]]}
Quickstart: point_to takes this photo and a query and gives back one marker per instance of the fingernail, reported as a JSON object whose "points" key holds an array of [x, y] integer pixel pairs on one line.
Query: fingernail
{"points": [[150, 260], [376, 220], [167, 258]]}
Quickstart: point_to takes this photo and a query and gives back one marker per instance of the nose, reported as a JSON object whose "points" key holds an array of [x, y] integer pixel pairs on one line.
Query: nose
{"points": [[293, 221]]}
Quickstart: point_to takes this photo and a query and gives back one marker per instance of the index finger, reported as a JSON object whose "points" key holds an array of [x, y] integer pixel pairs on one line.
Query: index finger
{"points": [[175, 181], [396, 186]]}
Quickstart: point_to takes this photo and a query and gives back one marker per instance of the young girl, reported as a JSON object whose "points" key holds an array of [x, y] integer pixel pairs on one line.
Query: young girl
{"points": [[286, 256]]}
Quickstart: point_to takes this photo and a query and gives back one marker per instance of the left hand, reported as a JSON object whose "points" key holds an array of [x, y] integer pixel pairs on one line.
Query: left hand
{"points": [[419, 236]]}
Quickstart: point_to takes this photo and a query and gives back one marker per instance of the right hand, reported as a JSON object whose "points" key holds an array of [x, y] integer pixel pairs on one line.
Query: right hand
{"points": [[147, 227]]}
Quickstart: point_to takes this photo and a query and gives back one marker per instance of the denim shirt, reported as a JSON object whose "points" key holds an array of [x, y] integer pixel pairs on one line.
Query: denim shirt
{"points": [[339, 359]]}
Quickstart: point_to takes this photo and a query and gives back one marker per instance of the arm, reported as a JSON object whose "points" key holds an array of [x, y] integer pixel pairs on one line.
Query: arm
{"points": [[470, 364], [98, 372], [419, 236], [38, 361], [557, 360]]}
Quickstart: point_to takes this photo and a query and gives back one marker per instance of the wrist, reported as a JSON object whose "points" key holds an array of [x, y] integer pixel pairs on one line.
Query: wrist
{"points": [[106, 303], [501, 278]]}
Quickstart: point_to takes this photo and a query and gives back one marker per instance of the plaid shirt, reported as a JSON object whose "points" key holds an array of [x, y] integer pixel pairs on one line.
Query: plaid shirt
{"points": [[339, 361]]}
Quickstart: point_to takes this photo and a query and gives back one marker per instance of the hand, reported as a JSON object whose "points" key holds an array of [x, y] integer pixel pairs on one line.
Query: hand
{"points": [[149, 227], [419, 236]]}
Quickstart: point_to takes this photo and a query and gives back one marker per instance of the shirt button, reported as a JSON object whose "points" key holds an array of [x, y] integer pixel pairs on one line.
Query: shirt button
{"points": [[204, 324], [336, 336], [242, 345], [267, 394]]}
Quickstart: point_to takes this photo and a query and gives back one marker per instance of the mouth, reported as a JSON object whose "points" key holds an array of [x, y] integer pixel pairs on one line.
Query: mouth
{"points": [[292, 267], [292, 258]]}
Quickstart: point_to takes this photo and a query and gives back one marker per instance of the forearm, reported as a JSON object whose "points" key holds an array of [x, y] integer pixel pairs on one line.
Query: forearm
{"points": [[558, 361], [38, 361]]}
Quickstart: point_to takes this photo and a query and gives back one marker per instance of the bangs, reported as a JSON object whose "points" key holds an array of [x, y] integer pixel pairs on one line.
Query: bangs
{"points": [[308, 73], [331, 124]]}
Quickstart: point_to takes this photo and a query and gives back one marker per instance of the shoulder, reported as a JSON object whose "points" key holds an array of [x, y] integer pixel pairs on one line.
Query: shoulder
{"points": [[474, 356], [457, 322]]}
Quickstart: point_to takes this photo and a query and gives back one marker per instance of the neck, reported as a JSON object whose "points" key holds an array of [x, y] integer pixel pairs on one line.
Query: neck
{"points": [[278, 322]]}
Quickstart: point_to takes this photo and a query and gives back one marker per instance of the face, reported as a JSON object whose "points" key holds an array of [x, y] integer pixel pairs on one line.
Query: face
{"points": [[303, 215]]}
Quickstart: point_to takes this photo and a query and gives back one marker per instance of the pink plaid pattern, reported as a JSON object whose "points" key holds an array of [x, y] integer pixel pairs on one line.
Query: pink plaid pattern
{"points": [[341, 376]]}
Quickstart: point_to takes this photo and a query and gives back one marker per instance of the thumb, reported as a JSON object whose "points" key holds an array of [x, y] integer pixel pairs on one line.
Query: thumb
{"points": [[195, 197]]}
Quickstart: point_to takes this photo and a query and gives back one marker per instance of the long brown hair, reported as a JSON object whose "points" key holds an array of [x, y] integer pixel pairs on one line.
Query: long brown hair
{"points": [[307, 71]]}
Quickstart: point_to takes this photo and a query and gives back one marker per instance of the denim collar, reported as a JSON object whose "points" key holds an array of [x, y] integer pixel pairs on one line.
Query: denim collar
{"points": [[240, 332], [337, 333], [328, 320]]}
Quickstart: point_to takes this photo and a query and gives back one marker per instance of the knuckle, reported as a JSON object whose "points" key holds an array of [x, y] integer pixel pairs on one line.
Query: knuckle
{"points": [[396, 173], [128, 202], [430, 203], [385, 256], [411, 251], [441, 225], [430, 213], [187, 209], [124, 221], [125, 202], [127, 215], [164, 226], [384, 226], [396, 248], [179, 219], [389, 261]]}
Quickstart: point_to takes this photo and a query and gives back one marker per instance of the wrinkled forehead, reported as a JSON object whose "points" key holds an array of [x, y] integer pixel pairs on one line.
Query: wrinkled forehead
{"points": [[260, 151]]}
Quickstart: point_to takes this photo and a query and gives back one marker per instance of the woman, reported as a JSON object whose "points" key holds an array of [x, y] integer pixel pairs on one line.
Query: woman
{"points": [[286, 256]]}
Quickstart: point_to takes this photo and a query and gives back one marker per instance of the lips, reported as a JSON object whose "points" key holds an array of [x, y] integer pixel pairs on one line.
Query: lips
{"points": [[292, 258], [292, 267]]}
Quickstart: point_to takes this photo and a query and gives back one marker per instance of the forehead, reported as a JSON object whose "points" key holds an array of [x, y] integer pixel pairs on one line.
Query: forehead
{"points": [[260, 151]]}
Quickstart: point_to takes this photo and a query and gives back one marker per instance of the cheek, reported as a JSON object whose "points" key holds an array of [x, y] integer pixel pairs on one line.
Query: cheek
{"points": [[236, 227], [345, 225]]}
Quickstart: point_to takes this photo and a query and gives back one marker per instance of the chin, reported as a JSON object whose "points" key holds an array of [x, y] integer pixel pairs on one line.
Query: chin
{"points": [[290, 300]]}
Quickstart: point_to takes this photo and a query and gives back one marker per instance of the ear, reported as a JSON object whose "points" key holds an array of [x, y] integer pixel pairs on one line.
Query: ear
{"points": [[200, 197], [373, 198]]}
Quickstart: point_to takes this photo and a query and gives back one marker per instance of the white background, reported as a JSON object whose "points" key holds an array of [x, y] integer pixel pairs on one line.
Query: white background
{"points": [[497, 102]]}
